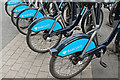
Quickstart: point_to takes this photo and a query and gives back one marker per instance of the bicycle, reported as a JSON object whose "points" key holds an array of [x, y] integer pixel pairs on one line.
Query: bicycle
{"points": [[112, 14], [35, 14], [10, 4], [76, 52], [45, 26], [18, 8]]}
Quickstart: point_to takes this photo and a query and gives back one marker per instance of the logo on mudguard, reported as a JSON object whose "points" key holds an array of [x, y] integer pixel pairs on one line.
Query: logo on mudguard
{"points": [[36, 28], [64, 52], [27, 15], [70, 50]]}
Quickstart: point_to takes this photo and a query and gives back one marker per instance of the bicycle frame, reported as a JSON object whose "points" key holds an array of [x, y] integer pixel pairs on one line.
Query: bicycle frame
{"points": [[103, 45], [73, 26], [100, 47], [42, 6]]}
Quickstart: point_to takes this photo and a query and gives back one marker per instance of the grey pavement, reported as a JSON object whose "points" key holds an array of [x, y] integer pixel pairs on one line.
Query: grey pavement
{"points": [[9, 31], [110, 58], [18, 61]]}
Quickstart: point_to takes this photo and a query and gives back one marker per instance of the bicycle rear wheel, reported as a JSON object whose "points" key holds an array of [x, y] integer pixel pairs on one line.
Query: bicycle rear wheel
{"points": [[14, 18], [39, 42], [112, 14], [64, 67], [8, 8], [117, 43], [87, 21], [9, 5], [23, 25]]}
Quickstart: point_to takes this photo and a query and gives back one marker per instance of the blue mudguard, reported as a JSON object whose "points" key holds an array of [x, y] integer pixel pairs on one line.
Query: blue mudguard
{"points": [[20, 7], [45, 23], [14, 2], [30, 13], [73, 44]]}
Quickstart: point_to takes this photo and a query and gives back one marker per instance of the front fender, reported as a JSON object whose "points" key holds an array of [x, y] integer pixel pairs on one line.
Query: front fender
{"points": [[30, 12], [45, 23], [20, 7]]}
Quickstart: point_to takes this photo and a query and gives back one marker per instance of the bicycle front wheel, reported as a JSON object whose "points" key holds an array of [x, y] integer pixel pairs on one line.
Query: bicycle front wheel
{"points": [[87, 23], [64, 67]]}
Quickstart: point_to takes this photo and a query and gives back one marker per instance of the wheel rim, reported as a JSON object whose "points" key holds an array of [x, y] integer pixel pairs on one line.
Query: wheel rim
{"points": [[66, 68], [14, 18], [9, 9], [39, 43], [23, 25]]}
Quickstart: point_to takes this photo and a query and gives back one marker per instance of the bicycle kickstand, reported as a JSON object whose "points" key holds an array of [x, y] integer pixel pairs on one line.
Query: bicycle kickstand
{"points": [[103, 64]]}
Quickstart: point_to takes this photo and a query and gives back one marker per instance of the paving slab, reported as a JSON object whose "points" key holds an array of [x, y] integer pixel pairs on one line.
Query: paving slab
{"points": [[23, 63], [18, 61]]}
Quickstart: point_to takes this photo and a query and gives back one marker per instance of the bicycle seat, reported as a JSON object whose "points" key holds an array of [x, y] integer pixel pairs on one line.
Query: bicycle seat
{"points": [[89, 3]]}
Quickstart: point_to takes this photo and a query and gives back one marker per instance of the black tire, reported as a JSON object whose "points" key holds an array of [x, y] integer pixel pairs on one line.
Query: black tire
{"points": [[117, 43], [44, 46], [112, 14], [87, 24], [87, 21], [14, 16], [8, 8], [20, 24], [58, 75], [22, 28], [66, 13]]}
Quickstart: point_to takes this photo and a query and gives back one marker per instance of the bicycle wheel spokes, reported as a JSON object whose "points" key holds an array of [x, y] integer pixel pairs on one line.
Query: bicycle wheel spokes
{"points": [[39, 42], [9, 9], [14, 18], [23, 25], [65, 67]]}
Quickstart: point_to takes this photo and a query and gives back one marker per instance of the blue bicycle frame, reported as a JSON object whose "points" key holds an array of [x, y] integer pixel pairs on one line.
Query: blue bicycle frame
{"points": [[100, 47]]}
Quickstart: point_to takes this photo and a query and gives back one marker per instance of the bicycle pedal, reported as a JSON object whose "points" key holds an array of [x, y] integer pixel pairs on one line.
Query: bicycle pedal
{"points": [[103, 64]]}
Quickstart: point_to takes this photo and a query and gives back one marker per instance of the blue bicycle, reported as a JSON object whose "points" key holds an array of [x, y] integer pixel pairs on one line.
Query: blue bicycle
{"points": [[74, 53], [10, 4]]}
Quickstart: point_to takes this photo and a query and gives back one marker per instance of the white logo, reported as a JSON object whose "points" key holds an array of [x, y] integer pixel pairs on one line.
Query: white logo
{"points": [[64, 52], [35, 28], [19, 10], [42, 26], [27, 15], [75, 48]]}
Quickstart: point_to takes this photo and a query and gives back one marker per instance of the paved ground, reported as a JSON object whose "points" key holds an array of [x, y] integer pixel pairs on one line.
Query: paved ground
{"points": [[112, 60], [18, 61]]}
